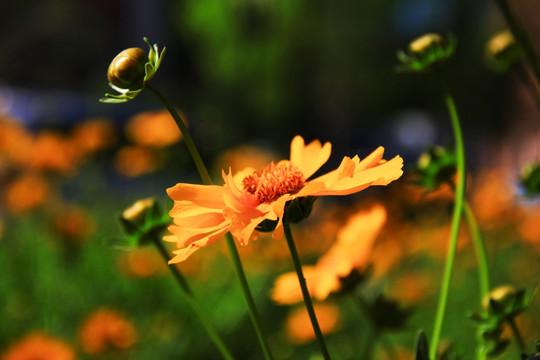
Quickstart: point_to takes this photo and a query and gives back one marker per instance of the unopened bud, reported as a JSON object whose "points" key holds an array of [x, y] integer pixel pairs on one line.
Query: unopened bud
{"points": [[502, 296], [500, 43], [424, 42], [138, 209], [127, 70]]}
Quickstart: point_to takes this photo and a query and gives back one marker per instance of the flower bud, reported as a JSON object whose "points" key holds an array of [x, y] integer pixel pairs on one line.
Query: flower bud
{"points": [[425, 42], [127, 70], [500, 43], [137, 211], [501, 296], [143, 221], [502, 51], [425, 51]]}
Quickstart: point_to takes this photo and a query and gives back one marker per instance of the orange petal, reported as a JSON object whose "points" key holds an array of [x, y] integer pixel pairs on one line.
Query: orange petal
{"points": [[340, 181], [184, 253], [278, 208], [236, 199], [199, 221], [309, 158], [185, 236], [243, 224], [210, 196]]}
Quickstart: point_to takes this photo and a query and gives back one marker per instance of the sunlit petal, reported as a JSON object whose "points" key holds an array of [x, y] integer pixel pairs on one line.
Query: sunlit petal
{"points": [[309, 158]]}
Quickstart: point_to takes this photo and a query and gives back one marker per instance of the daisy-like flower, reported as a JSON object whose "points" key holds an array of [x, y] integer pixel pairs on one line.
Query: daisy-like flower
{"points": [[204, 213]]}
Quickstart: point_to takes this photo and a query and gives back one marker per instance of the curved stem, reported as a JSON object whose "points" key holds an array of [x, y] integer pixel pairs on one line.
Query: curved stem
{"points": [[305, 292], [235, 257], [456, 217], [522, 38], [212, 333], [230, 241]]}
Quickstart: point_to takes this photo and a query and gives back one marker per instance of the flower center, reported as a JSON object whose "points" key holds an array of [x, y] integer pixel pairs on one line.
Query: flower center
{"points": [[273, 181]]}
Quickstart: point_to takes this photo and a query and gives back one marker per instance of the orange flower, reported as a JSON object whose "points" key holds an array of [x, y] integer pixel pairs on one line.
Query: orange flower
{"points": [[52, 151], [351, 251], [203, 213], [15, 142], [141, 263], [25, 193], [72, 223], [299, 326], [153, 128], [106, 329], [93, 135], [134, 161], [39, 346]]}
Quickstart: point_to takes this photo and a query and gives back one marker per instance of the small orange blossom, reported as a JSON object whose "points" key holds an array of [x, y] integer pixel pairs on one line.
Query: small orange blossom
{"points": [[299, 327], [106, 329], [38, 346], [203, 213]]}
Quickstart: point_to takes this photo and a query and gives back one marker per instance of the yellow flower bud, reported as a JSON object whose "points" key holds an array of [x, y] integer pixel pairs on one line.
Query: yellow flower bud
{"points": [[424, 42], [499, 43], [501, 295], [127, 70], [138, 209]]}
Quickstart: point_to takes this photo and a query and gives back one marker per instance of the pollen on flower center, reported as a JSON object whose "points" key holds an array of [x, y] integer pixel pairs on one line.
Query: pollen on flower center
{"points": [[273, 181]]}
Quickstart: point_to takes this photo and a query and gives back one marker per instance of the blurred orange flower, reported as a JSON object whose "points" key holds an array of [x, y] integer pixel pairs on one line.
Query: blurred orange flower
{"points": [[153, 128], [134, 161], [93, 135], [72, 223], [52, 151], [25, 193], [299, 328], [527, 224], [351, 251], [15, 142], [411, 288], [106, 329], [38, 346], [203, 213], [242, 157], [493, 199], [141, 263]]}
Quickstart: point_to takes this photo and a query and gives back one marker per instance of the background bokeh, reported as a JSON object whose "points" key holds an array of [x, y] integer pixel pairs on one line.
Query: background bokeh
{"points": [[247, 75]]}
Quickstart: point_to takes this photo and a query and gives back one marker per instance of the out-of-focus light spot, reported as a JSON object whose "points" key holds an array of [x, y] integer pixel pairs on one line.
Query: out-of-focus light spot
{"points": [[414, 130], [412, 17]]}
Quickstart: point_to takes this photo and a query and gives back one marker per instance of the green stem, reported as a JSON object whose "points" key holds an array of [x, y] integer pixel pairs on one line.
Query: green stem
{"points": [[230, 241], [305, 292], [480, 250], [522, 38], [456, 217], [483, 269], [187, 138], [235, 257], [212, 333]]}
